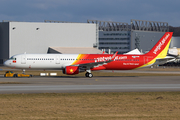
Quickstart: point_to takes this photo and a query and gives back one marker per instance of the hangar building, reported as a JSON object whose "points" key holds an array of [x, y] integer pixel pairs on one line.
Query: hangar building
{"points": [[175, 42], [123, 37], [43, 37]]}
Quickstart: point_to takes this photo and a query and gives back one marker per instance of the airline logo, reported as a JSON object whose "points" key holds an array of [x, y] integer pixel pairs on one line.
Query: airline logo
{"points": [[161, 44], [14, 61], [100, 59]]}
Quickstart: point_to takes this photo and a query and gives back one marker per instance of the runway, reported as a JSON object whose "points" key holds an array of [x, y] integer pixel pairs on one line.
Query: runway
{"points": [[95, 84]]}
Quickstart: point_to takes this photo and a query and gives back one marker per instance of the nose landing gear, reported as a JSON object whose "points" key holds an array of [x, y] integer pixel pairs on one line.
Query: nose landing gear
{"points": [[23, 71]]}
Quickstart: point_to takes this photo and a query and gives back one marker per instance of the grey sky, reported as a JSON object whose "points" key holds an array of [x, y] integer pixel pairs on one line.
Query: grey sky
{"points": [[81, 10]]}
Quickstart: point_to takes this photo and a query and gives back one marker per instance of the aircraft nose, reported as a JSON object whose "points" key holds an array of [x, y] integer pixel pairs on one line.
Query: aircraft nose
{"points": [[6, 63]]}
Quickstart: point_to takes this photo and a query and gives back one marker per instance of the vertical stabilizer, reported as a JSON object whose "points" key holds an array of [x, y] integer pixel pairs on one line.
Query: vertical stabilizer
{"points": [[161, 47]]}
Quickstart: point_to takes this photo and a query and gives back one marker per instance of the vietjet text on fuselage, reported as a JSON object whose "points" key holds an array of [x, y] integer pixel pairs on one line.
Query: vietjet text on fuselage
{"points": [[75, 63]]}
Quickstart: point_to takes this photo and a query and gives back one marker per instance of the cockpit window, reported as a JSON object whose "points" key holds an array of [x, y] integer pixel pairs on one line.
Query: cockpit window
{"points": [[12, 58]]}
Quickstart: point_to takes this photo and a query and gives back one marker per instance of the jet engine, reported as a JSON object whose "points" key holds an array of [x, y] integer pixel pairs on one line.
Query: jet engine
{"points": [[71, 70]]}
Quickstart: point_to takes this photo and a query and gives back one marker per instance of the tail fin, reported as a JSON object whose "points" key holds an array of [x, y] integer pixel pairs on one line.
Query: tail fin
{"points": [[161, 47]]}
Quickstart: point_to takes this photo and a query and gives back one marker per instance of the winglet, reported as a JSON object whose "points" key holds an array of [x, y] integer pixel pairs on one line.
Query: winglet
{"points": [[113, 57]]}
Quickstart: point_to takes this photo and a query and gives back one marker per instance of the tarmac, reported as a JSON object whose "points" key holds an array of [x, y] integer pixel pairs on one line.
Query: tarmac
{"points": [[71, 84]]}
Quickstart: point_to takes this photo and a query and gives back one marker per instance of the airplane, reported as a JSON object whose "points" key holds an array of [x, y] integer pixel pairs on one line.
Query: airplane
{"points": [[72, 64]]}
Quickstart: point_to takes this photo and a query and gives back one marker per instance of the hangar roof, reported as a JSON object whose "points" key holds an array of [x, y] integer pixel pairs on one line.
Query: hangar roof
{"points": [[74, 50]]}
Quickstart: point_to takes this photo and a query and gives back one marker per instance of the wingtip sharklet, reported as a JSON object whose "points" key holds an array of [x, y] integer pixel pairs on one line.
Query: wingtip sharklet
{"points": [[113, 57]]}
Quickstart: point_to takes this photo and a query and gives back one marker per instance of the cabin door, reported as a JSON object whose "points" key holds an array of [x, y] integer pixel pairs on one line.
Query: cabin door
{"points": [[23, 59], [147, 59], [57, 59]]}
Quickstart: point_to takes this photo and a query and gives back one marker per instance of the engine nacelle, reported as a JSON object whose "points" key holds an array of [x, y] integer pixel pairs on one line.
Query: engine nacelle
{"points": [[71, 70]]}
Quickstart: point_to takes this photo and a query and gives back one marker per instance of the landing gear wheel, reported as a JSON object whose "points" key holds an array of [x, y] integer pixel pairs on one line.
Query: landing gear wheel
{"points": [[87, 74], [90, 75]]}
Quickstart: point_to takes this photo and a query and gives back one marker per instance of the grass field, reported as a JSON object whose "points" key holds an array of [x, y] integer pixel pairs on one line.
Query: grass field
{"points": [[91, 106]]}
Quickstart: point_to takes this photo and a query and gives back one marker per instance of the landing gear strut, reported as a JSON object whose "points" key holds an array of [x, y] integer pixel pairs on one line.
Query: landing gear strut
{"points": [[23, 71]]}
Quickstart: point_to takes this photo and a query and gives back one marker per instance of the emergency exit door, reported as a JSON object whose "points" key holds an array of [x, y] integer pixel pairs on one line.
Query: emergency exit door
{"points": [[58, 59]]}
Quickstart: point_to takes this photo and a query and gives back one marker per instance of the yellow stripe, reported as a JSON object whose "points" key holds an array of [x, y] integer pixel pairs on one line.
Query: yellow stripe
{"points": [[164, 52], [79, 56]]}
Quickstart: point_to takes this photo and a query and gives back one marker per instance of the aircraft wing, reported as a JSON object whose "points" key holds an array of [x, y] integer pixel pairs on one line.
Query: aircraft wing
{"points": [[96, 64]]}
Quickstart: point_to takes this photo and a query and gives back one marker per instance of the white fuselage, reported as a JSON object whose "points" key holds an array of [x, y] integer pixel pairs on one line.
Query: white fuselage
{"points": [[41, 61]]}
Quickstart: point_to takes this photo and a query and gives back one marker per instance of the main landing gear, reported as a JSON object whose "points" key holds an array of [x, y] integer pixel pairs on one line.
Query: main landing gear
{"points": [[89, 74]]}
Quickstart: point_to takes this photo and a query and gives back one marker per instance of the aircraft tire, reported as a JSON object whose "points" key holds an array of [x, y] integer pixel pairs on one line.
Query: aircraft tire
{"points": [[87, 74], [90, 75]]}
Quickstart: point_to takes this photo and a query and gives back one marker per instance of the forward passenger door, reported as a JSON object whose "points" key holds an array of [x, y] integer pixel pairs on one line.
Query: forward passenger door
{"points": [[23, 59]]}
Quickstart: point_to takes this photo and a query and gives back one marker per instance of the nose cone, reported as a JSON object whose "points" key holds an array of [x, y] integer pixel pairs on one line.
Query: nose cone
{"points": [[7, 63]]}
